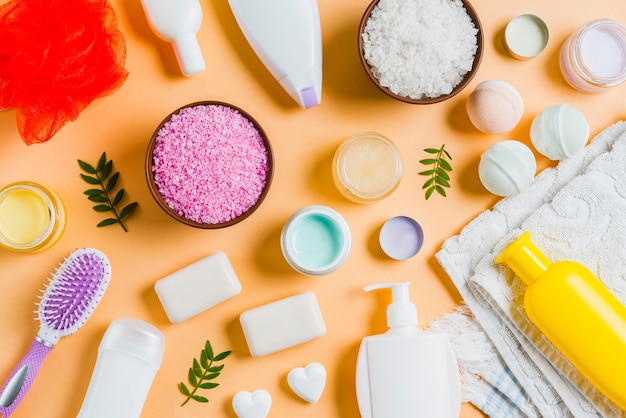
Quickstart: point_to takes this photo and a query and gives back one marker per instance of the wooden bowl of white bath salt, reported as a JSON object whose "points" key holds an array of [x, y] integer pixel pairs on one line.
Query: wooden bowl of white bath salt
{"points": [[420, 51]]}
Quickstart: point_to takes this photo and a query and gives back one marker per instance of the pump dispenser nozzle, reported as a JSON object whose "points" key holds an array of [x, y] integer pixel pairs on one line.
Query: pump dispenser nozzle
{"points": [[401, 312]]}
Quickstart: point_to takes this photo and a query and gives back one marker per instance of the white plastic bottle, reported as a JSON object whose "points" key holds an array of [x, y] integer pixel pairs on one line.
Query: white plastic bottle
{"points": [[129, 357], [286, 36], [178, 22], [406, 373]]}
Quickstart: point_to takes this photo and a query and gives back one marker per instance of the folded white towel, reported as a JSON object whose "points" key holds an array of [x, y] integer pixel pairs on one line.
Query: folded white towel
{"points": [[574, 211]]}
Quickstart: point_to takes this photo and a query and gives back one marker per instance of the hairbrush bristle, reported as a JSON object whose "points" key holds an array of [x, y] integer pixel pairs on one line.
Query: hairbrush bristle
{"points": [[75, 289]]}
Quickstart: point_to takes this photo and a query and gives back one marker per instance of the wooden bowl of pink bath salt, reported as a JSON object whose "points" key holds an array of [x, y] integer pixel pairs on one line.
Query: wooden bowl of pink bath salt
{"points": [[209, 165]]}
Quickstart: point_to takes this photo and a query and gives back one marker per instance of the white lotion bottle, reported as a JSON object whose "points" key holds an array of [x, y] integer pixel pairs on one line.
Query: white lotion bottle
{"points": [[405, 373], [177, 22], [129, 357], [286, 36]]}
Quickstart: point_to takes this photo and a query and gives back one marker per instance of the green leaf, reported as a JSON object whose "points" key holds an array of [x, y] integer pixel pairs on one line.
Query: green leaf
{"points": [[102, 208], [200, 398], [86, 167], [118, 197], [196, 368], [427, 172], [445, 165], [94, 192], [208, 350], [443, 173], [429, 192], [183, 388], [106, 170], [208, 385], [432, 150], [442, 181], [204, 361], [112, 182], [222, 356], [101, 161], [428, 183], [215, 368], [429, 161], [128, 209], [441, 190], [107, 222], [191, 376], [98, 199], [89, 179]]}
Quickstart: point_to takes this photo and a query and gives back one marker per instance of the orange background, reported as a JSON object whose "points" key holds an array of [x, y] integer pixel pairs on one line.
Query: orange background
{"points": [[303, 142]]}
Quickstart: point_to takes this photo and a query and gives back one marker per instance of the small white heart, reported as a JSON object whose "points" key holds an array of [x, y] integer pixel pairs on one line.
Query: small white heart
{"points": [[308, 382], [252, 405]]}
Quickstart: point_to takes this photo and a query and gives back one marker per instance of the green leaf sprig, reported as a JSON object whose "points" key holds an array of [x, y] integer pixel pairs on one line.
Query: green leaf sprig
{"points": [[202, 373], [102, 175], [439, 177]]}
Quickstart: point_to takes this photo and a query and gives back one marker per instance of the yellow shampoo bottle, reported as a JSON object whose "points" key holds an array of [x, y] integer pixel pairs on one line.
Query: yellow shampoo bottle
{"points": [[576, 312]]}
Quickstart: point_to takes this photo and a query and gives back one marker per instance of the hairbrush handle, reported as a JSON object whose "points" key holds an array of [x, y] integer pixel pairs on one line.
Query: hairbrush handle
{"points": [[22, 377]]}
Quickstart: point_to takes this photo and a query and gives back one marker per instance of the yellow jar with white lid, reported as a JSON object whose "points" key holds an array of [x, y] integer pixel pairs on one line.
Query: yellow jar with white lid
{"points": [[32, 217]]}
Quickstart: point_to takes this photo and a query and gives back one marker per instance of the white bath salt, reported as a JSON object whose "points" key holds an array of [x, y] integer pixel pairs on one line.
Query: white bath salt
{"points": [[420, 48]]}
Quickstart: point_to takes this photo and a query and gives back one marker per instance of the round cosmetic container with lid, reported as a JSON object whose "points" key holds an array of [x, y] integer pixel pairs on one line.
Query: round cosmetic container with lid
{"points": [[32, 217], [316, 240], [593, 59], [367, 167]]}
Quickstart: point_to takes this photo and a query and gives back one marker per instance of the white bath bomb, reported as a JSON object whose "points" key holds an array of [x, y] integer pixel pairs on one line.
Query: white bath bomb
{"points": [[495, 107], [507, 167], [559, 131]]}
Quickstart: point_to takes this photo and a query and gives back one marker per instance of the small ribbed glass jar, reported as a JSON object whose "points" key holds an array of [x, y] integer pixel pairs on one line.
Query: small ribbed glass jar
{"points": [[367, 167], [593, 58], [32, 217]]}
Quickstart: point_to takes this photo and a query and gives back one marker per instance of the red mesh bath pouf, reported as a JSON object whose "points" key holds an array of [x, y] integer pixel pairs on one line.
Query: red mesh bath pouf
{"points": [[56, 56]]}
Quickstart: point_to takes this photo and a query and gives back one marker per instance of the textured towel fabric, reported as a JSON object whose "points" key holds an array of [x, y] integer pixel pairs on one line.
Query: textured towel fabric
{"points": [[573, 211], [486, 381]]}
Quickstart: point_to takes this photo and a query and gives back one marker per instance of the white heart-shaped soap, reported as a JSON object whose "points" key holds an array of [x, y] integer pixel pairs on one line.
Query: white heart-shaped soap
{"points": [[308, 382], [255, 404]]}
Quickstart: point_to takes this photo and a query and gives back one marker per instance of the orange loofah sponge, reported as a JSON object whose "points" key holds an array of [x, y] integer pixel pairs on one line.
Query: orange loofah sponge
{"points": [[56, 57]]}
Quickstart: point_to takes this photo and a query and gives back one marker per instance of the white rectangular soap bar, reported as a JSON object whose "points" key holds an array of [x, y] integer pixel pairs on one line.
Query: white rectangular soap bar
{"points": [[197, 287], [282, 324]]}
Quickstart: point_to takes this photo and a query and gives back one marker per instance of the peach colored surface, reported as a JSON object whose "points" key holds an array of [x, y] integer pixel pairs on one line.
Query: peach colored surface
{"points": [[303, 142]]}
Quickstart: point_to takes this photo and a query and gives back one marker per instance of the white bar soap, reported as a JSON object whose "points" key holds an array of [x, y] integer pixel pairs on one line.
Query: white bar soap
{"points": [[197, 287], [282, 324]]}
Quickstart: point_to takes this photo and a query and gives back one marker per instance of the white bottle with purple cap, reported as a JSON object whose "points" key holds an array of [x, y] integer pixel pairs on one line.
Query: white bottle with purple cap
{"points": [[286, 36]]}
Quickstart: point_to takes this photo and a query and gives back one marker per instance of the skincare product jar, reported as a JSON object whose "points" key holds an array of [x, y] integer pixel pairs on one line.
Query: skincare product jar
{"points": [[316, 240], [593, 59], [32, 217], [367, 167]]}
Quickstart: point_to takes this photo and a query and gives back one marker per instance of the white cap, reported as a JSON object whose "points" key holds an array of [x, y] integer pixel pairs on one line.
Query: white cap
{"points": [[401, 312], [189, 54]]}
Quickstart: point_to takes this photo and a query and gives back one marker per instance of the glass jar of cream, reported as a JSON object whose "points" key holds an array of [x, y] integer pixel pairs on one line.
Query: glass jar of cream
{"points": [[367, 167], [32, 217], [593, 58]]}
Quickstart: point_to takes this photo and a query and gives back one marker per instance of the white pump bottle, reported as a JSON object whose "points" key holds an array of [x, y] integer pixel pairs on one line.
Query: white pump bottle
{"points": [[406, 373], [178, 21]]}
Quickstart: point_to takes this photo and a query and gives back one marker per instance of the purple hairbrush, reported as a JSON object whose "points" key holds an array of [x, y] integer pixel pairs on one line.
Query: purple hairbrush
{"points": [[75, 289]]}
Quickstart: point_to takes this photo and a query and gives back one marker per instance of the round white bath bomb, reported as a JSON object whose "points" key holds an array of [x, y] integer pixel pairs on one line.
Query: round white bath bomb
{"points": [[507, 167], [495, 107], [559, 131]]}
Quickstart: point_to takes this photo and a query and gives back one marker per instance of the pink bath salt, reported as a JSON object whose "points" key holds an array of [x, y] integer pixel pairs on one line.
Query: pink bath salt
{"points": [[210, 163]]}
